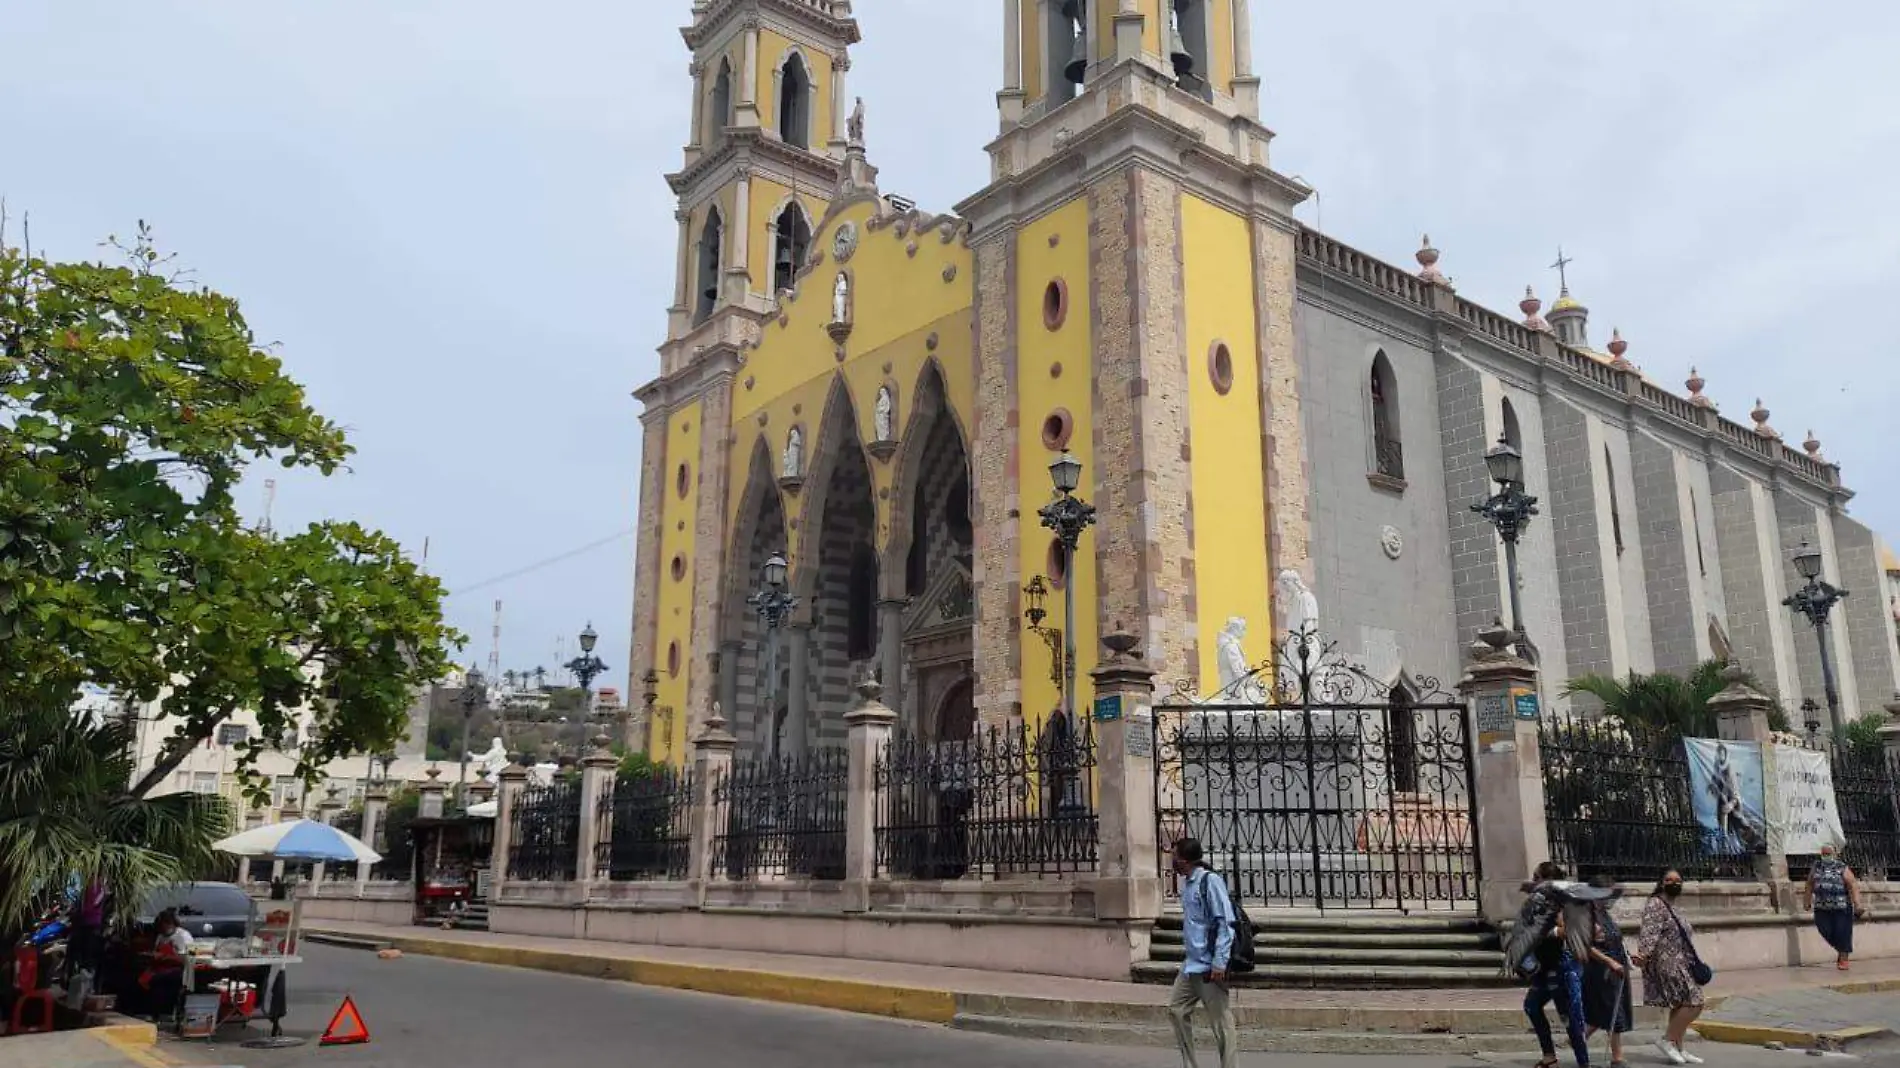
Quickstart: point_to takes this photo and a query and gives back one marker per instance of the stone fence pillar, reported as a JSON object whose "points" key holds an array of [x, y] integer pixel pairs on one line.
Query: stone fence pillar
{"points": [[1741, 715], [869, 738], [375, 808], [1128, 853], [429, 804], [597, 786], [1890, 731], [514, 781], [712, 762], [1512, 835]]}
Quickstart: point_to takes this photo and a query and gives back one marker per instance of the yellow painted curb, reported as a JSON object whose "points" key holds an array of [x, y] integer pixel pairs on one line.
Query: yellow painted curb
{"points": [[847, 995], [1758, 1034], [136, 1042]]}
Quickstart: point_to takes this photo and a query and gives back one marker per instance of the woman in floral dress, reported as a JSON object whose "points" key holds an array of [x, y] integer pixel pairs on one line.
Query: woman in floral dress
{"points": [[1664, 952]]}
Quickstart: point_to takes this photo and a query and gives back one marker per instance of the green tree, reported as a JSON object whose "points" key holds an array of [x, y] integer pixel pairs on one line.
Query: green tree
{"points": [[1863, 736], [130, 407], [1670, 704], [65, 813]]}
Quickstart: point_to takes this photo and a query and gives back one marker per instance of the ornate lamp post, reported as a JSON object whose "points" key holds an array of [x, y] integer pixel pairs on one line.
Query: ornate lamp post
{"points": [[1067, 515], [1815, 600], [586, 668], [774, 605], [1510, 510], [474, 696], [1811, 719]]}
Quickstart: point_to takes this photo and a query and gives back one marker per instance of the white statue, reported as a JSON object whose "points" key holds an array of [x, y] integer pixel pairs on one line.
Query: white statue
{"points": [[854, 126], [881, 415], [1298, 611], [543, 774], [489, 764], [841, 299], [1239, 684], [794, 463]]}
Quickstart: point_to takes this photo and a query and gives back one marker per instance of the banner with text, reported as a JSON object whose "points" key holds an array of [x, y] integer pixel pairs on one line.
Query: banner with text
{"points": [[1803, 815]]}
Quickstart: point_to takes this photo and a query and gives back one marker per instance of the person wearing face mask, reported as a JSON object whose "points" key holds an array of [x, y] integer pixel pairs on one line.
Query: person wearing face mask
{"points": [[1834, 897], [1666, 954]]}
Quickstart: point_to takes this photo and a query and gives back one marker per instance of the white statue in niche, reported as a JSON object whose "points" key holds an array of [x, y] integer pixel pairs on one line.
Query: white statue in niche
{"points": [[1239, 684], [841, 299], [488, 765], [794, 459], [882, 415], [1298, 610]]}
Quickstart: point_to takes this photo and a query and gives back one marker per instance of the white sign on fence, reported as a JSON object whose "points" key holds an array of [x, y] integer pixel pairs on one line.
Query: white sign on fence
{"points": [[1803, 815]]}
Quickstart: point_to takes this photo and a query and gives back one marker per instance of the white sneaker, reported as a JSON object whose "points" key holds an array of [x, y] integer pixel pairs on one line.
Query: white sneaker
{"points": [[1687, 1056], [1670, 1052]]}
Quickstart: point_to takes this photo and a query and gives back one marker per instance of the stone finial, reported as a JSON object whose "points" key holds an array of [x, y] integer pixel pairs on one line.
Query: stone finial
{"points": [[1695, 384], [1428, 260], [1122, 646], [1812, 445], [1493, 643], [870, 710], [1530, 306], [868, 686], [1617, 348], [1760, 416]]}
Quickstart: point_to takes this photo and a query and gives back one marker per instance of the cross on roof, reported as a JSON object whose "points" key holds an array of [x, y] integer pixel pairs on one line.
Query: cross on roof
{"points": [[1563, 280]]}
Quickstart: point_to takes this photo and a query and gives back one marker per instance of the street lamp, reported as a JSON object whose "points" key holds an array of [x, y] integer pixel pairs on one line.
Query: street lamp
{"points": [[1811, 719], [1510, 510], [774, 605], [1067, 515], [1036, 591], [474, 696], [587, 667], [1815, 600]]}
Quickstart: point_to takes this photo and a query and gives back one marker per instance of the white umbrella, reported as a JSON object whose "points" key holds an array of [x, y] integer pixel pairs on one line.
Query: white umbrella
{"points": [[299, 840]]}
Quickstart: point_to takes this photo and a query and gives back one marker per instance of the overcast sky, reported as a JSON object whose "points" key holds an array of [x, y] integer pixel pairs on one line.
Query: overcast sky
{"points": [[451, 215]]}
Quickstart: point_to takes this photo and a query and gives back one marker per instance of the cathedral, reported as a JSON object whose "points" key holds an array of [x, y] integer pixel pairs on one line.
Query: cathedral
{"points": [[872, 395]]}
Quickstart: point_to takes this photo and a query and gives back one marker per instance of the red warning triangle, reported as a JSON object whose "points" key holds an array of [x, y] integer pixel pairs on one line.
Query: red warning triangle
{"points": [[346, 1027]]}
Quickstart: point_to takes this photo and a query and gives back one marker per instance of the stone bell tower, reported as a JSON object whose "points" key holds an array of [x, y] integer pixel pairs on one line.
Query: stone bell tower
{"points": [[764, 152], [1134, 274]]}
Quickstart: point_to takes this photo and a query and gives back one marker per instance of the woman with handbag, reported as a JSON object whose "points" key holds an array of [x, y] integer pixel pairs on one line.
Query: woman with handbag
{"points": [[1834, 897], [1673, 973]]}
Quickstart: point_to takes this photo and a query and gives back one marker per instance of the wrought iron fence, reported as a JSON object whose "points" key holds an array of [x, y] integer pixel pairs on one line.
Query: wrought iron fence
{"points": [[1310, 783], [645, 830], [544, 833], [783, 818], [1867, 795], [1617, 803], [350, 823], [392, 841], [1017, 800]]}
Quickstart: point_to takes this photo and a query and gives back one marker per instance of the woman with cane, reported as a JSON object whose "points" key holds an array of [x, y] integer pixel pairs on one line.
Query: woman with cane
{"points": [[1607, 1005]]}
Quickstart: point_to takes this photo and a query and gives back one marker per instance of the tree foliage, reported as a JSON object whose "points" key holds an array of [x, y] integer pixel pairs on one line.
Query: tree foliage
{"points": [[1670, 704], [65, 814], [131, 406]]}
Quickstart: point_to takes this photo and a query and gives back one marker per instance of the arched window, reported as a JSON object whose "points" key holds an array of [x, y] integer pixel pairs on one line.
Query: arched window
{"points": [[794, 102], [1388, 455], [792, 238], [721, 114], [712, 240], [1401, 739], [861, 612], [1616, 510], [1512, 436]]}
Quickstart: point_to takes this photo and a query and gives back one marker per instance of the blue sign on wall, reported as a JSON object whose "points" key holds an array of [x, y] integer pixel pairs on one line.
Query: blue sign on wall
{"points": [[1108, 708], [1526, 705]]}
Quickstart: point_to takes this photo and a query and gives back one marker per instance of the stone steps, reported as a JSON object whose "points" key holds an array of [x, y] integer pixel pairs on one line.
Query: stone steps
{"points": [[1340, 976], [1251, 1039], [1349, 951]]}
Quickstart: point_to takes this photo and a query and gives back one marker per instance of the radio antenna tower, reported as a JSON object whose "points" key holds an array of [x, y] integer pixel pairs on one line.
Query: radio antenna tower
{"points": [[270, 502], [494, 650]]}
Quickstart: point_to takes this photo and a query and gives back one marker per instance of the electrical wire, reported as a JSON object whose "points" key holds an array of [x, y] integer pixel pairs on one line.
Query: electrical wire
{"points": [[538, 565]]}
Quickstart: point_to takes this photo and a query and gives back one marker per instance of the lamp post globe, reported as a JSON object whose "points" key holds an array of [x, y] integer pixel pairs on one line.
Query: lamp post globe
{"points": [[1066, 472], [588, 638], [1505, 463], [1807, 560]]}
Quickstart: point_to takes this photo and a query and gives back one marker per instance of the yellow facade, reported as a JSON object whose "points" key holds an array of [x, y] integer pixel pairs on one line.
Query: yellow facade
{"points": [[1230, 504], [774, 49], [675, 607], [1043, 392], [767, 199]]}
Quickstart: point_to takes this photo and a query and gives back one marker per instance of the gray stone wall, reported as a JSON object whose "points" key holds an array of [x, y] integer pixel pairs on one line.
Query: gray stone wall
{"points": [[1667, 567], [1389, 613], [1865, 613], [1472, 541], [1739, 548], [1574, 523]]}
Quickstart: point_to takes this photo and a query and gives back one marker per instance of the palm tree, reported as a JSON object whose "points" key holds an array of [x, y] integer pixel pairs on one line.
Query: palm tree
{"points": [[66, 813], [509, 677], [1667, 704], [541, 678]]}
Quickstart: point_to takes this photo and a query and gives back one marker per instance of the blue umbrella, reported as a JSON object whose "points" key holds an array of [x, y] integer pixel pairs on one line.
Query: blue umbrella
{"points": [[299, 840]]}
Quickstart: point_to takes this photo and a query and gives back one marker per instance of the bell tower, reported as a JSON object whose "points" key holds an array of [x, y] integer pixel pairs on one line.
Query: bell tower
{"points": [[1053, 50], [764, 153]]}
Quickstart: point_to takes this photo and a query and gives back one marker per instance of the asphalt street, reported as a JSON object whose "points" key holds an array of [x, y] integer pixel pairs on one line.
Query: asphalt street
{"points": [[428, 1013]]}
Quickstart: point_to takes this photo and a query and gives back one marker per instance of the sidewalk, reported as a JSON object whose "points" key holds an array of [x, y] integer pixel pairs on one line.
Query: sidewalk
{"points": [[129, 1045], [1792, 1005]]}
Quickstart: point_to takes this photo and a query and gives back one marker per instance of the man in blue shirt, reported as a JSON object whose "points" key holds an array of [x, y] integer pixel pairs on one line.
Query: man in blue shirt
{"points": [[1207, 929]]}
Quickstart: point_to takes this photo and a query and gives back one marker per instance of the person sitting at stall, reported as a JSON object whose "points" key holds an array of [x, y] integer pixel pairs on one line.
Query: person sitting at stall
{"points": [[164, 980]]}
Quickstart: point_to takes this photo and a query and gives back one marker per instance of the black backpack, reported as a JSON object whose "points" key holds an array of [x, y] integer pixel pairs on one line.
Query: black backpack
{"points": [[1240, 959]]}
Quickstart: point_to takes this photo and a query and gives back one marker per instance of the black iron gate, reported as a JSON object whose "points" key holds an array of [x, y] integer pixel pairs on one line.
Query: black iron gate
{"points": [[1319, 786]]}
